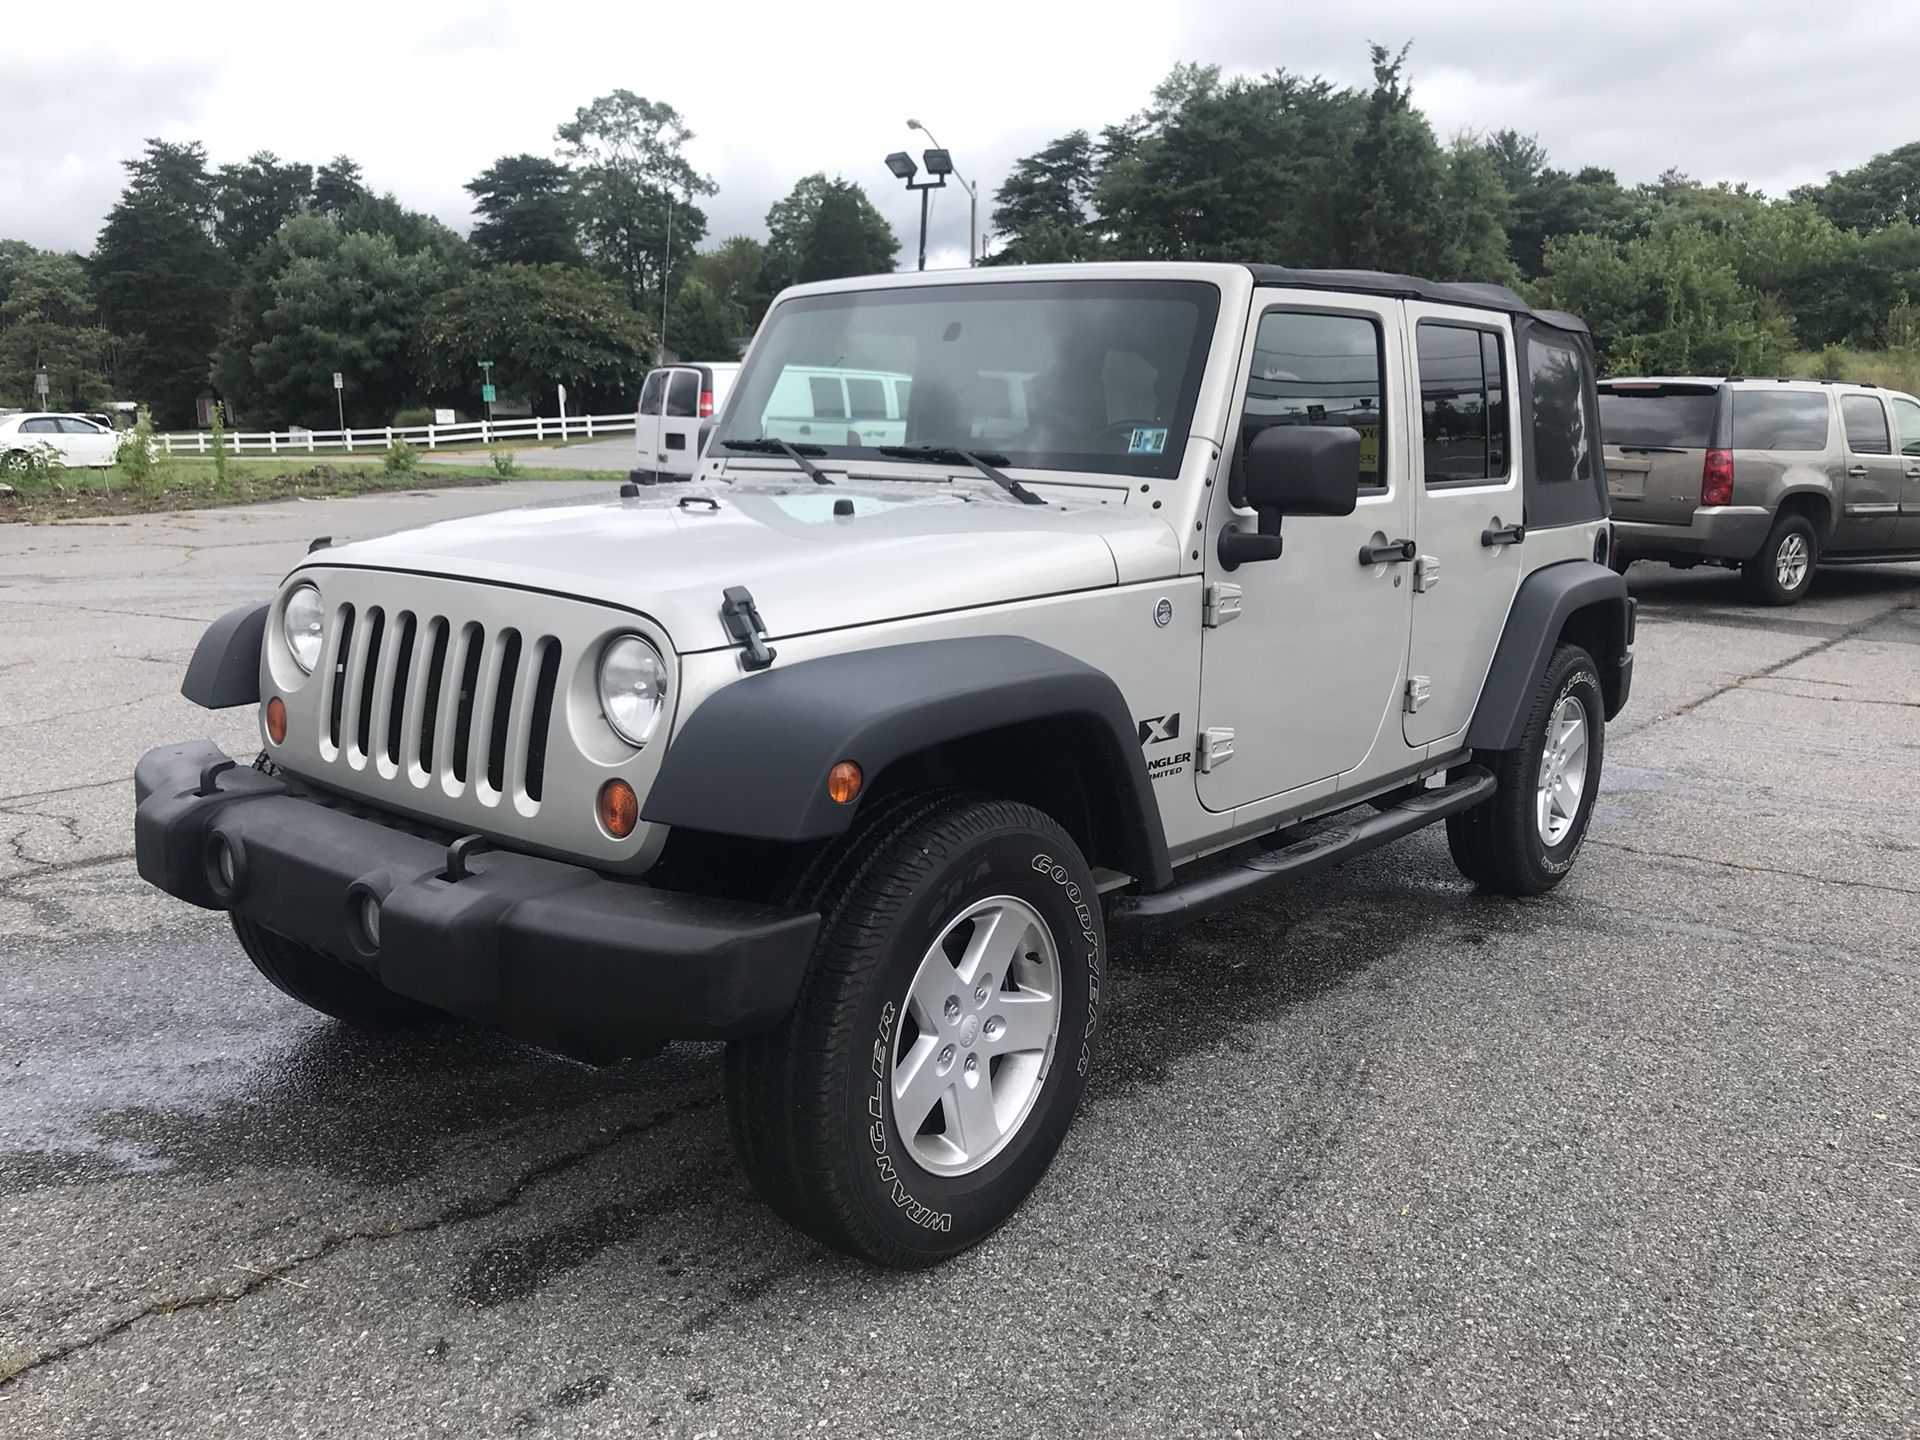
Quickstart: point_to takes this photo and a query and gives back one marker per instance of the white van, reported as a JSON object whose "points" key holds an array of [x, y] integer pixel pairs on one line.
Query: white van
{"points": [[838, 407], [674, 400]]}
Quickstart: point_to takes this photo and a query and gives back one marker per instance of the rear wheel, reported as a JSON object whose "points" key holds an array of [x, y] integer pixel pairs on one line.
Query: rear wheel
{"points": [[1782, 573], [1524, 840], [322, 983], [937, 1053]]}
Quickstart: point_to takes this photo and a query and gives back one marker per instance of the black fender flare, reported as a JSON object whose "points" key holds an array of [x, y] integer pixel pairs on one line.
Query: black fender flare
{"points": [[1541, 608], [225, 669], [752, 759]]}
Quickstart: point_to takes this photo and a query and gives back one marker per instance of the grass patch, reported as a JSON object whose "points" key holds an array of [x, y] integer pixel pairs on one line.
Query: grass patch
{"points": [[196, 484], [1890, 369]]}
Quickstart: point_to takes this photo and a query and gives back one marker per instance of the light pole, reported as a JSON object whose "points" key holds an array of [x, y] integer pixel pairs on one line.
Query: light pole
{"points": [[939, 165], [973, 195]]}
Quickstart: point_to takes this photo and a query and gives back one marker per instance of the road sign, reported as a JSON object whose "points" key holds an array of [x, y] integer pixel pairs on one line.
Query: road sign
{"points": [[443, 417], [339, 381], [486, 393], [563, 395], [41, 384]]}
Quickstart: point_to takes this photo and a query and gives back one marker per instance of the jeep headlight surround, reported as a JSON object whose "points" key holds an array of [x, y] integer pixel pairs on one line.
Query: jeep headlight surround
{"points": [[632, 681], [303, 625]]}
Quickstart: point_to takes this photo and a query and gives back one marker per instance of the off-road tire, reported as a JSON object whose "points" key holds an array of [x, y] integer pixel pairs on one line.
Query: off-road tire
{"points": [[1761, 574], [811, 1122], [1498, 844], [322, 983]]}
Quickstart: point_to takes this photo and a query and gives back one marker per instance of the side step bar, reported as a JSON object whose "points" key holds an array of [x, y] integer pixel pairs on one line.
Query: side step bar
{"points": [[1235, 883]]}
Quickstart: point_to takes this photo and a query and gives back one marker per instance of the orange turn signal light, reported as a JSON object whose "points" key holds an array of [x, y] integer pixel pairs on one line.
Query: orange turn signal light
{"points": [[276, 720], [619, 809], [843, 783]]}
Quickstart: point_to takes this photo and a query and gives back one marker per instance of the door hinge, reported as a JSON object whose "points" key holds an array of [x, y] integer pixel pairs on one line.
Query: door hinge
{"points": [[1220, 603], [1419, 691], [1426, 573], [1216, 748]]}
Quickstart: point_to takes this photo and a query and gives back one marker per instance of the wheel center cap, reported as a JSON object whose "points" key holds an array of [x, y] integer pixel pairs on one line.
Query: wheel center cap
{"points": [[969, 1031]]}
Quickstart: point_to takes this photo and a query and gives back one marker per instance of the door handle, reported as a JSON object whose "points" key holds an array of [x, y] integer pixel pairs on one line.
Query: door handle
{"points": [[1858, 472], [1394, 552], [1498, 534]]}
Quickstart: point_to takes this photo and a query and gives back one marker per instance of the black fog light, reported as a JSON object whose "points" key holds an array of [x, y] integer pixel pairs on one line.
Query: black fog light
{"points": [[363, 919], [226, 868]]}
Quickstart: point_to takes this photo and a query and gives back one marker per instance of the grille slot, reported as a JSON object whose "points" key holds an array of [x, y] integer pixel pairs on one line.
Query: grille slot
{"points": [[367, 675], [393, 711], [503, 664], [462, 697], [427, 716], [540, 716], [342, 660]]}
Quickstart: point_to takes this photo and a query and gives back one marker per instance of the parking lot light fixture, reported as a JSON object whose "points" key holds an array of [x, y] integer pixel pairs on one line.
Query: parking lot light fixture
{"points": [[903, 168], [973, 191]]}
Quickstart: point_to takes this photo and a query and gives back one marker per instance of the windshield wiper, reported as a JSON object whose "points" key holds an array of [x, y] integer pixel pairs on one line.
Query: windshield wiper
{"points": [[1652, 450], [796, 453], [984, 463]]}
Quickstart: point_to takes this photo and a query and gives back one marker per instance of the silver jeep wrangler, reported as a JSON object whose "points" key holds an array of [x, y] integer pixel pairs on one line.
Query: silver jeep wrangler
{"points": [[1003, 607]]}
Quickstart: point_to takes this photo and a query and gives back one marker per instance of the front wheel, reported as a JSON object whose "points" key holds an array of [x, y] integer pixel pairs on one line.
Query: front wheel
{"points": [[1523, 841], [941, 1041], [1782, 573]]}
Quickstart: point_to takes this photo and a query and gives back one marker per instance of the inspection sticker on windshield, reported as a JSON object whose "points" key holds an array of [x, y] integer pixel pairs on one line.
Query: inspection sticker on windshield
{"points": [[1148, 440]]}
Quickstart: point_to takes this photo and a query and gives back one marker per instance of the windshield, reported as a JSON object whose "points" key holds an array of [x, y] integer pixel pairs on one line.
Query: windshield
{"points": [[1051, 375]]}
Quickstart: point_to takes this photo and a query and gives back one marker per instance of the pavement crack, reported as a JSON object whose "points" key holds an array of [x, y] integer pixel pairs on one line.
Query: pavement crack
{"points": [[17, 1368], [1755, 869]]}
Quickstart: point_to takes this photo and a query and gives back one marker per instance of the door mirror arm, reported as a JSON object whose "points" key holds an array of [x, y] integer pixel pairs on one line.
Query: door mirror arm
{"points": [[1238, 546]]}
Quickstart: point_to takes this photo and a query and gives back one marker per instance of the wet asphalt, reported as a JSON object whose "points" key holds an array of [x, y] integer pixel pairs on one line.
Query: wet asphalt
{"points": [[1374, 1157]]}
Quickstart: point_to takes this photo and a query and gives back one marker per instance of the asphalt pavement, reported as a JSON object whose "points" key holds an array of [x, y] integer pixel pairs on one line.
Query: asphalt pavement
{"points": [[1375, 1157]]}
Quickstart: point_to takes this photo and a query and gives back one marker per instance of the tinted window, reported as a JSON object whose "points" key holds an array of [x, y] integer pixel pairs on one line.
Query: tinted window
{"points": [[75, 426], [1563, 437], [1906, 415], [1463, 403], [1658, 418], [866, 399], [1866, 422], [683, 395], [652, 392], [1319, 370], [827, 401], [40, 427], [1779, 420]]}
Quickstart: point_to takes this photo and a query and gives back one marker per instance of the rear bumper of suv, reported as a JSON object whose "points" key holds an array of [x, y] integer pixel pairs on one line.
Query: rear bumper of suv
{"points": [[555, 953], [1720, 532]]}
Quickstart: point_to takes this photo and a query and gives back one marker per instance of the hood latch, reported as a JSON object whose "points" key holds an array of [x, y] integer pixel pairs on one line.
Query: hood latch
{"points": [[742, 619]]}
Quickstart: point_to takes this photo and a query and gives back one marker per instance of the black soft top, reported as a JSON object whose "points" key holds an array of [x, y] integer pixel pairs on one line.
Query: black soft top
{"points": [[1411, 287]]}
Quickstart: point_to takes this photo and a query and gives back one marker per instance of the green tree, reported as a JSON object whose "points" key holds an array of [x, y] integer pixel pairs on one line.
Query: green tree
{"points": [[47, 323], [735, 270], [1046, 203], [539, 324], [412, 232], [525, 204], [824, 229], [336, 185], [253, 198], [1548, 203], [1871, 196], [318, 299], [161, 281], [703, 324], [634, 190]]}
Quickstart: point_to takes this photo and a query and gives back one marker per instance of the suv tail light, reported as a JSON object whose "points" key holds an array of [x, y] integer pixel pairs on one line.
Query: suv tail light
{"points": [[1716, 478], [706, 404]]}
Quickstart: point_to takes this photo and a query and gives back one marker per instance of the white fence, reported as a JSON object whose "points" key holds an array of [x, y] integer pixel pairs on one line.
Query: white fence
{"points": [[380, 437]]}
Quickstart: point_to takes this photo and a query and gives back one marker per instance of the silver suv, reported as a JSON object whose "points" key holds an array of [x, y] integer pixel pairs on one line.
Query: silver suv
{"points": [[1179, 582], [1772, 477]]}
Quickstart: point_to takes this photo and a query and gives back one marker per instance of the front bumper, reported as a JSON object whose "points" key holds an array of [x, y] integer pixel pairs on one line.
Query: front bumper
{"points": [[554, 953], [1719, 532]]}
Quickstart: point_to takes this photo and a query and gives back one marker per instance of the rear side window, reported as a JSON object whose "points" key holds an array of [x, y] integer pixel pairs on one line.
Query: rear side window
{"points": [[40, 427], [1463, 403], [683, 395], [1866, 421], [652, 392], [1658, 418], [827, 401], [866, 399], [1311, 369], [1779, 420], [1563, 435]]}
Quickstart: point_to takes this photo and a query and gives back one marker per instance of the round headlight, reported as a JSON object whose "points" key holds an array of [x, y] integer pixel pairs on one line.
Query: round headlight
{"points": [[633, 688], [302, 621]]}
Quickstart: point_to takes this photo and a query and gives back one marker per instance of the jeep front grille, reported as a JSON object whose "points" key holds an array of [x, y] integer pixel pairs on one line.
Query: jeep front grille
{"points": [[446, 703]]}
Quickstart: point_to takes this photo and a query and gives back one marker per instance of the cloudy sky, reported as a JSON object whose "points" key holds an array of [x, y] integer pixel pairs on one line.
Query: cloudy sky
{"points": [[425, 93]]}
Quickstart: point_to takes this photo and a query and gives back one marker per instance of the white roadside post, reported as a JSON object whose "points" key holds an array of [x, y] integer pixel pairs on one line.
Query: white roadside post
{"points": [[562, 391]]}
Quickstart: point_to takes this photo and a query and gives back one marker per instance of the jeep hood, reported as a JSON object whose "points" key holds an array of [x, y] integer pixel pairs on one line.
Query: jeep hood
{"points": [[671, 555]]}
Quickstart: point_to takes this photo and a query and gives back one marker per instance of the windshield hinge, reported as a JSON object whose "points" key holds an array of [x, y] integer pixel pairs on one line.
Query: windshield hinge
{"points": [[1220, 604], [742, 619]]}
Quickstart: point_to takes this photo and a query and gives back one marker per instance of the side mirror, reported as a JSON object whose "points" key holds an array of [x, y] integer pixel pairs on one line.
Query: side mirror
{"points": [[1293, 470]]}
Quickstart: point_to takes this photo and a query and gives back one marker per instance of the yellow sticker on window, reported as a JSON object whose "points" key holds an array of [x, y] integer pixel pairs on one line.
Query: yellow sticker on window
{"points": [[1369, 449]]}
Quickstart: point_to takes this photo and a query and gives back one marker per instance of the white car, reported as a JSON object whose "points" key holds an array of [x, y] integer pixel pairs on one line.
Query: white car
{"points": [[675, 401], [78, 441]]}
